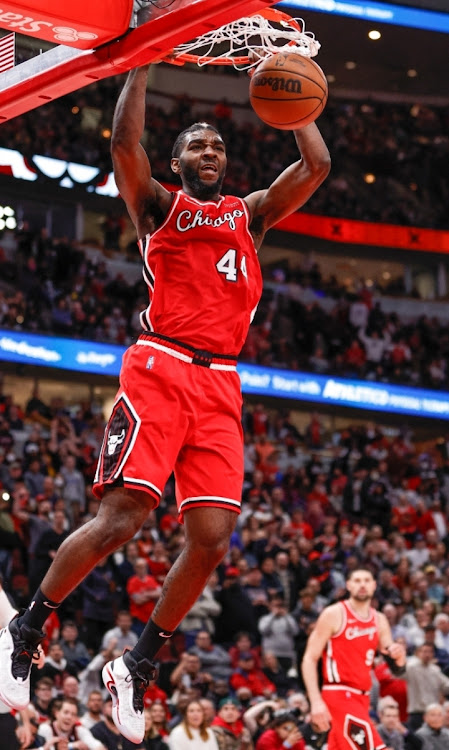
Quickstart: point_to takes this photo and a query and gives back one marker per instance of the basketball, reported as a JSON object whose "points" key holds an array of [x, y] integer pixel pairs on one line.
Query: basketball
{"points": [[288, 91]]}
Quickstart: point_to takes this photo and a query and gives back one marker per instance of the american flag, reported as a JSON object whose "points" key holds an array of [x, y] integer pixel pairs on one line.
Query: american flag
{"points": [[7, 51]]}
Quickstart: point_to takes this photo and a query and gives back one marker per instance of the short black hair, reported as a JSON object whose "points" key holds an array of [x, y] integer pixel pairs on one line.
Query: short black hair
{"points": [[178, 144]]}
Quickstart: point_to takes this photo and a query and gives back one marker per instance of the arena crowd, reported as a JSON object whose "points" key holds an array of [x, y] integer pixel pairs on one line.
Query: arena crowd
{"points": [[305, 320], [314, 507], [404, 147]]}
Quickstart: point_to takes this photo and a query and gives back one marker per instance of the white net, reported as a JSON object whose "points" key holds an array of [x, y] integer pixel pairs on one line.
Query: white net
{"points": [[244, 43]]}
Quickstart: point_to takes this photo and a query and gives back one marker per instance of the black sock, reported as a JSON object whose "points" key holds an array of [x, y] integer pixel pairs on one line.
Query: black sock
{"points": [[40, 608], [151, 640]]}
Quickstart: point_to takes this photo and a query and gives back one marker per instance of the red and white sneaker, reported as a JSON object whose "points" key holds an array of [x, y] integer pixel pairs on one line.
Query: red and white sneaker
{"points": [[127, 680], [18, 647]]}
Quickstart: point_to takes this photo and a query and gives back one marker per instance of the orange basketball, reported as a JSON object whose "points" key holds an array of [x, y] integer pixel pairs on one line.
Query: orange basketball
{"points": [[288, 91]]}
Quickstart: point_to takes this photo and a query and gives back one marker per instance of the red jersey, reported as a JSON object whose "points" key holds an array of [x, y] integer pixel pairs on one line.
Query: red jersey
{"points": [[349, 654], [203, 275]]}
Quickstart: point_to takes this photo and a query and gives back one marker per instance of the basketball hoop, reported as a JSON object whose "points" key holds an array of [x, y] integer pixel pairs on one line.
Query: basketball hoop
{"points": [[244, 43]]}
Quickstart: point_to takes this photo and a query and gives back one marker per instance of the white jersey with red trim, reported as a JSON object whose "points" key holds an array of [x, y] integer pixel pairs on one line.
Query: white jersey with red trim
{"points": [[349, 655], [203, 274]]}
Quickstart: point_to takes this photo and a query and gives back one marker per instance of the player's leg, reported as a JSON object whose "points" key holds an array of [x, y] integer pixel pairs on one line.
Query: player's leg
{"points": [[208, 531], [121, 513], [352, 728]]}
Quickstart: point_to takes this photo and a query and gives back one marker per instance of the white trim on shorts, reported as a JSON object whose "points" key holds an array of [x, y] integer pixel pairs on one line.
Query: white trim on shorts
{"points": [[194, 501], [183, 357]]}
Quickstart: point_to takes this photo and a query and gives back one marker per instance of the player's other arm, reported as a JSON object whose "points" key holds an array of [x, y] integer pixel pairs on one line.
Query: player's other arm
{"points": [[394, 653], [295, 185], [132, 169], [326, 625]]}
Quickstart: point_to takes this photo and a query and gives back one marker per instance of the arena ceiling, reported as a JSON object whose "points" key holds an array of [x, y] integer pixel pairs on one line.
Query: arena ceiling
{"points": [[383, 65]]}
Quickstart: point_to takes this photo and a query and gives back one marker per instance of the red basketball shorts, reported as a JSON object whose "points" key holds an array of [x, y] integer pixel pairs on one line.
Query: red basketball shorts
{"points": [[352, 728], [173, 415]]}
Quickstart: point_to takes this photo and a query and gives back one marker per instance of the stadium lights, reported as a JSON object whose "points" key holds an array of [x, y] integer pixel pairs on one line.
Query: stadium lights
{"points": [[7, 218]]}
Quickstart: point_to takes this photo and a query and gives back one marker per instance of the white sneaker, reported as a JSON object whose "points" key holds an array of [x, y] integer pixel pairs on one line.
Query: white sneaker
{"points": [[18, 647], [127, 680]]}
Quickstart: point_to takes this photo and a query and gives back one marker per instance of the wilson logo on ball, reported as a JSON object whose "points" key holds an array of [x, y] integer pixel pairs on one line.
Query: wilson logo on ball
{"points": [[290, 85]]}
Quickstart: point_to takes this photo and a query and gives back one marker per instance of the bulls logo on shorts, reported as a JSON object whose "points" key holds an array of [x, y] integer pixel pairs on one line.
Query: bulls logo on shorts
{"points": [[358, 733], [120, 434]]}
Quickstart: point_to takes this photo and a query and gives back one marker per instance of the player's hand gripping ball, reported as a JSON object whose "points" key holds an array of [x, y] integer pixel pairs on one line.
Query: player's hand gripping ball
{"points": [[288, 91]]}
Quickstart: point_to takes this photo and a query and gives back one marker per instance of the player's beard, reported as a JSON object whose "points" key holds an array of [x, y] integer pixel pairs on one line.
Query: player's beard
{"points": [[204, 191], [362, 597]]}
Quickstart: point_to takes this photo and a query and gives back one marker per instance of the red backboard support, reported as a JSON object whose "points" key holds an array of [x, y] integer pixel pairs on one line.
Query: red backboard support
{"points": [[82, 24], [62, 69]]}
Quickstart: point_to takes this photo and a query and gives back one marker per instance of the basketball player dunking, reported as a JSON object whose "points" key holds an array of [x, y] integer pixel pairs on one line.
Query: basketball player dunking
{"points": [[179, 402], [346, 636]]}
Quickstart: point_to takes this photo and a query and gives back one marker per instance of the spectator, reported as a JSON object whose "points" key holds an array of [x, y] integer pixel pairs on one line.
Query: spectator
{"points": [[98, 603], [202, 614], [283, 733], [121, 636], [228, 728], [56, 666], [426, 684], [66, 725], [441, 623], [237, 612], [49, 542], [43, 694], [278, 631], [94, 708], [433, 734], [143, 590], [247, 675], [395, 735], [192, 733], [214, 659], [152, 739], [73, 648], [187, 674]]}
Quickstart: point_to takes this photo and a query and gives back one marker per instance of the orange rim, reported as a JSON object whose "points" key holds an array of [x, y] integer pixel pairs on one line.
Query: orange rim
{"points": [[270, 14]]}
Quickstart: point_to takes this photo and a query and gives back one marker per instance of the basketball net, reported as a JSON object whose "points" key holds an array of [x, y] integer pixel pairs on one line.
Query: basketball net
{"points": [[247, 41]]}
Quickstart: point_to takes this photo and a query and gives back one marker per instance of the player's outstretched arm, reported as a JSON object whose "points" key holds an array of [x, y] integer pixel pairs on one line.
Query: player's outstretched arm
{"points": [[326, 625], [132, 168], [296, 184]]}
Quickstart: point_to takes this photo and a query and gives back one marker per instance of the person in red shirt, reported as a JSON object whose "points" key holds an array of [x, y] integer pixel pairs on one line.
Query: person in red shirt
{"points": [[169, 521], [243, 644], [396, 687], [404, 517], [249, 676], [283, 733], [154, 694], [143, 590], [355, 357], [158, 562]]}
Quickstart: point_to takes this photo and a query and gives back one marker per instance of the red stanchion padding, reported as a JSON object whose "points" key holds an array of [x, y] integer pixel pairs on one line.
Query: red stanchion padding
{"points": [[83, 24]]}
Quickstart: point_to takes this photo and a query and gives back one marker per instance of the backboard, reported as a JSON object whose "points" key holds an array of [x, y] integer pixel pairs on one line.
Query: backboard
{"points": [[64, 69], [83, 24]]}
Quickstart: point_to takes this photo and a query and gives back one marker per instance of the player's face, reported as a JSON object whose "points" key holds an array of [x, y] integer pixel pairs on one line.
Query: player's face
{"points": [[361, 586], [202, 164]]}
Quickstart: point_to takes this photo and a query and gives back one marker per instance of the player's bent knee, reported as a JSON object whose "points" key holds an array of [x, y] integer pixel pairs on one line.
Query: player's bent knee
{"points": [[128, 508]]}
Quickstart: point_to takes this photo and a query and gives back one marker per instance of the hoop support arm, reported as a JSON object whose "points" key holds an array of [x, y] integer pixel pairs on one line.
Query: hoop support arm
{"points": [[62, 69]]}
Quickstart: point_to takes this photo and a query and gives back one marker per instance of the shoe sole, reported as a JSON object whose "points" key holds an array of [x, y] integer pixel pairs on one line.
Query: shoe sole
{"points": [[109, 683]]}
